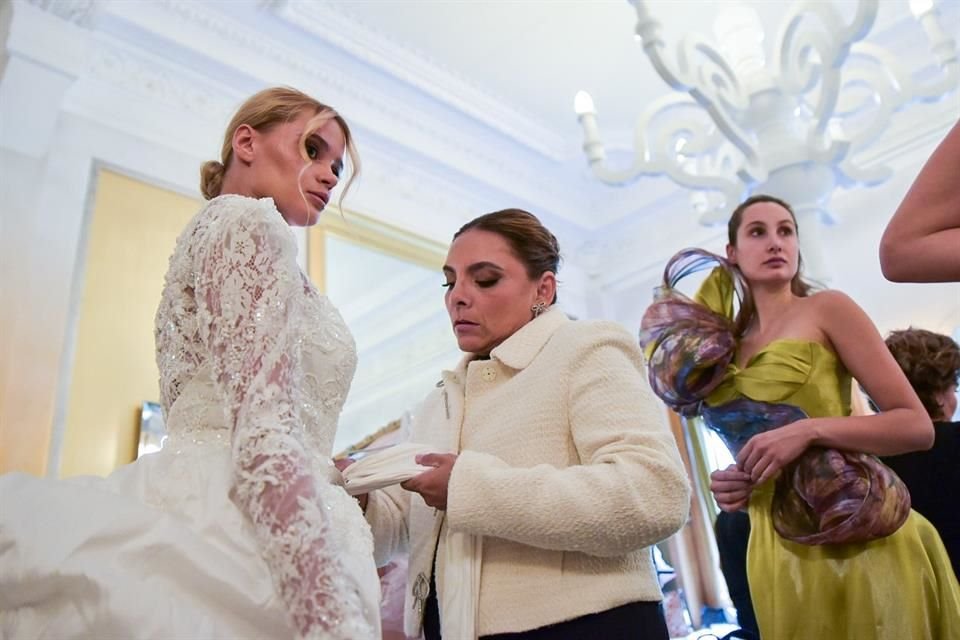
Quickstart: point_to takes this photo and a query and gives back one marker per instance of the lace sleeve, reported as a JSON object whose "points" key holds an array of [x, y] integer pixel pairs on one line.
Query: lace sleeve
{"points": [[249, 290]]}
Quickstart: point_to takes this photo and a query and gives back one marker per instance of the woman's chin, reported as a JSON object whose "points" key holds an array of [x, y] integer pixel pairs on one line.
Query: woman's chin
{"points": [[468, 345], [770, 277], [302, 217]]}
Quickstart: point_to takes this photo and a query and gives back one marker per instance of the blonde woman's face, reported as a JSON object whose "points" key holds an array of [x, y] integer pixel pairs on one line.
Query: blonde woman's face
{"points": [[300, 187]]}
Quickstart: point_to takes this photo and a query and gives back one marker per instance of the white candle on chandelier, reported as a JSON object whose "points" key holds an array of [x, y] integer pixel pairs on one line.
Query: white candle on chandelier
{"points": [[587, 115]]}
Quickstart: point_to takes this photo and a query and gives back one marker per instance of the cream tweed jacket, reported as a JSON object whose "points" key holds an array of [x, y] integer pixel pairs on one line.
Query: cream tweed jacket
{"points": [[566, 466]]}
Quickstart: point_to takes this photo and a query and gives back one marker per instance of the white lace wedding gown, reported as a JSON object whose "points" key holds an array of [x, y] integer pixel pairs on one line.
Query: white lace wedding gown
{"points": [[234, 529]]}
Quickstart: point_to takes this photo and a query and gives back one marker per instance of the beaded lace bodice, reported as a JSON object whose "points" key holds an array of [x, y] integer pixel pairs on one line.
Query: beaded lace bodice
{"points": [[251, 356]]}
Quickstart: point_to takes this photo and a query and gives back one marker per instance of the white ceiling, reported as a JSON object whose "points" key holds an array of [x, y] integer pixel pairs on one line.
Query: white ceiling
{"points": [[533, 56]]}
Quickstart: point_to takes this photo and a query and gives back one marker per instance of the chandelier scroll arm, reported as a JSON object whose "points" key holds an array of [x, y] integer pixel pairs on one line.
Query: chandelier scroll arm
{"points": [[680, 77], [832, 43], [703, 144], [657, 155], [889, 97], [863, 21], [648, 30]]}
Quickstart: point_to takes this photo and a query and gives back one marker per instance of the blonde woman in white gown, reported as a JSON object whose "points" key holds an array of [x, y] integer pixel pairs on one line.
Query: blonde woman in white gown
{"points": [[237, 528]]}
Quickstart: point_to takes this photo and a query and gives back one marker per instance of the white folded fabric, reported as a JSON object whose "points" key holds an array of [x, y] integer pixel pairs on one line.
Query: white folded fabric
{"points": [[460, 594], [384, 468]]}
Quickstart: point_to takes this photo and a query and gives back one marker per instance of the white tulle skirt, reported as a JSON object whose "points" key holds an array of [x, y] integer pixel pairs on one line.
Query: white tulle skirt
{"points": [[155, 550]]}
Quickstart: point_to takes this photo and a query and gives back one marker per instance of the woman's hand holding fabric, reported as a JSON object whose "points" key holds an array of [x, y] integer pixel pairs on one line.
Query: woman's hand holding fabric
{"points": [[731, 488], [432, 485], [765, 454]]}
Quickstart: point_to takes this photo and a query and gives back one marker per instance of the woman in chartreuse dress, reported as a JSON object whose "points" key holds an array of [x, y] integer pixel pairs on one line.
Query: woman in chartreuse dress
{"points": [[795, 350]]}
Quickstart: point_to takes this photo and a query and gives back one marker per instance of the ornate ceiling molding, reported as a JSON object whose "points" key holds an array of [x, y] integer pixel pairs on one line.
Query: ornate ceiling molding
{"points": [[114, 59], [378, 50], [78, 12], [150, 77], [419, 125]]}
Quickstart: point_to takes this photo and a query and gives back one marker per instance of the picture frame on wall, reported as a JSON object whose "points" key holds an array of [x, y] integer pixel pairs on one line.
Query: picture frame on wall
{"points": [[153, 432]]}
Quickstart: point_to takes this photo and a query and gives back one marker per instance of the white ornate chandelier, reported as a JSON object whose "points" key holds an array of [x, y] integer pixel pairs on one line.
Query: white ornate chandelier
{"points": [[791, 128]]}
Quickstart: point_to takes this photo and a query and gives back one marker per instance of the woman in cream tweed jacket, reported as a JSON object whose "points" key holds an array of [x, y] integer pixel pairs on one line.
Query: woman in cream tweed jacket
{"points": [[563, 469]]}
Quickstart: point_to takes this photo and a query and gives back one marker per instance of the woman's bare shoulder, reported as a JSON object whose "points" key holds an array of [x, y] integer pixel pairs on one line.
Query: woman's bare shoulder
{"points": [[830, 301]]}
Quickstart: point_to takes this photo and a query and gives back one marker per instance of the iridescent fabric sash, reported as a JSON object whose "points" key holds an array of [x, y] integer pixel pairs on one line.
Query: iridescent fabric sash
{"points": [[825, 496], [688, 345]]}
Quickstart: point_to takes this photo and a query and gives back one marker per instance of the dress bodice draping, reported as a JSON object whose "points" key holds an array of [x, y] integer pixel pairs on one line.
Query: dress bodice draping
{"points": [[803, 373]]}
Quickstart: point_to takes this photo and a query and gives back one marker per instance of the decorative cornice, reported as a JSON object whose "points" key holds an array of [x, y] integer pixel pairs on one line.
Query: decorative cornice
{"points": [[78, 12], [442, 144], [129, 69], [377, 49], [439, 138]]}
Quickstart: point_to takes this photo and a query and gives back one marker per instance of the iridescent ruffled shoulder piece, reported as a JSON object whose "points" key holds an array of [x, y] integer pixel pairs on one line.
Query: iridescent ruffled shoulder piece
{"points": [[825, 496], [689, 345]]}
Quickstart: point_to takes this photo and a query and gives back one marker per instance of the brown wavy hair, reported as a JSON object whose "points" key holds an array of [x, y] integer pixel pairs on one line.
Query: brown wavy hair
{"points": [[931, 362], [264, 110], [530, 241]]}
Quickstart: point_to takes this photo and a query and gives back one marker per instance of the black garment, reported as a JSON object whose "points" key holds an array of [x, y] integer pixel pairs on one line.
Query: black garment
{"points": [[634, 621], [733, 533], [431, 613], [933, 478]]}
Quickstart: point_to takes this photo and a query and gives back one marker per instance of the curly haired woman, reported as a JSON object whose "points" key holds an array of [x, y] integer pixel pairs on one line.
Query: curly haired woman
{"points": [[931, 362]]}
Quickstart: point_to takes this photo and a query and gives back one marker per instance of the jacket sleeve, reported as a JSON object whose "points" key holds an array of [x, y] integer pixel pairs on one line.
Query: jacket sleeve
{"points": [[630, 489], [248, 293]]}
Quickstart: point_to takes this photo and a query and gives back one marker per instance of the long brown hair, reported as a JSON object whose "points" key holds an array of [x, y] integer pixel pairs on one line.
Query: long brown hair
{"points": [[530, 241], [798, 286], [264, 110]]}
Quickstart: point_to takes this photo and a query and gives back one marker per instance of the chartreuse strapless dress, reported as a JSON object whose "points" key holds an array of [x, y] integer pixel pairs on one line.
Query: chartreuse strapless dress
{"points": [[900, 587]]}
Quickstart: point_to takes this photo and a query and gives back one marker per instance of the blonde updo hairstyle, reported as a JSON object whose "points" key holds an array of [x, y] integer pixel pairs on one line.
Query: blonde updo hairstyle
{"points": [[263, 111]]}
